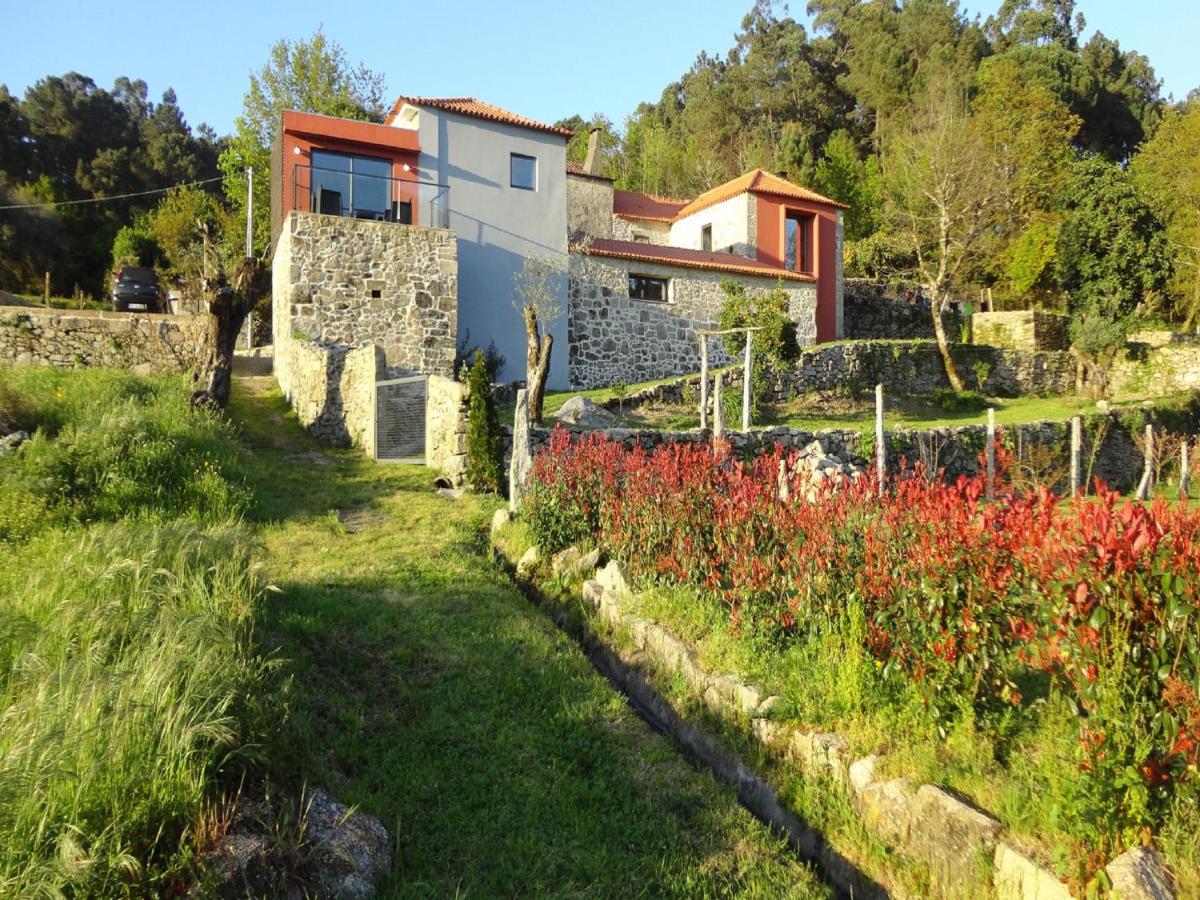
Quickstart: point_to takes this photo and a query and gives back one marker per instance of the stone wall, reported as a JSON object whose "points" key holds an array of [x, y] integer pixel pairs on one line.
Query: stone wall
{"points": [[344, 282], [354, 302], [873, 310], [641, 229], [332, 390], [1027, 329], [614, 338], [1147, 370], [144, 344], [446, 427], [589, 205], [734, 225], [1109, 451]]}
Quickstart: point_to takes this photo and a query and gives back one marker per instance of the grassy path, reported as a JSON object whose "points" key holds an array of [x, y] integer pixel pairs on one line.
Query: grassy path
{"points": [[427, 691]]}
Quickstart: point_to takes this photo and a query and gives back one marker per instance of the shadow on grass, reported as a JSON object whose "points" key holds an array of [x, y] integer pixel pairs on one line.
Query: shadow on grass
{"points": [[426, 690]]}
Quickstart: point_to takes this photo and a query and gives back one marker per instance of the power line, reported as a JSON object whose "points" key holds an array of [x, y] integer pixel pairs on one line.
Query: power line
{"points": [[114, 197]]}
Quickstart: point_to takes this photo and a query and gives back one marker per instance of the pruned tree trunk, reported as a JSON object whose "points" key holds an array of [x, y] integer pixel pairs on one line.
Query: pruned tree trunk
{"points": [[939, 332], [537, 363], [228, 305]]}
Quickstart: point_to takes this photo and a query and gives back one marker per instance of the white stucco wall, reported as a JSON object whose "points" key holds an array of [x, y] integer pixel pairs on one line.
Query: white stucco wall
{"points": [[733, 226], [498, 226]]}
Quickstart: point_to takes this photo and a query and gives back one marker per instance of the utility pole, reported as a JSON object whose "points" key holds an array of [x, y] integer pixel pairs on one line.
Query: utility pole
{"points": [[250, 210]]}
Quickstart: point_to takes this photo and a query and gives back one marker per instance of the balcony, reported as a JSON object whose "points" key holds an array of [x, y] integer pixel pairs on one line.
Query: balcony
{"points": [[358, 194]]}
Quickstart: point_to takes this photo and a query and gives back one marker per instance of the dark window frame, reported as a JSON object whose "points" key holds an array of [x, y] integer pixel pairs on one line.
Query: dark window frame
{"points": [[349, 207], [637, 285], [706, 243], [512, 173], [801, 256]]}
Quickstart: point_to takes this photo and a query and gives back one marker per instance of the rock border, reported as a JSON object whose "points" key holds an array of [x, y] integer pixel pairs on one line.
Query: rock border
{"points": [[960, 845]]}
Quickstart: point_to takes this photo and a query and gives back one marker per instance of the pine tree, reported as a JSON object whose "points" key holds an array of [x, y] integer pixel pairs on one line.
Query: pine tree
{"points": [[484, 449]]}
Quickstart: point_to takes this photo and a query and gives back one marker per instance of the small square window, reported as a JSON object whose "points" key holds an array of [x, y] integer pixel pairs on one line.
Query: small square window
{"points": [[643, 287], [522, 172], [376, 294]]}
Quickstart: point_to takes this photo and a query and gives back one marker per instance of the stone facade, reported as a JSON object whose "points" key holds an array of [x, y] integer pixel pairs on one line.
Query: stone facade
{"points": [[140, 343], [734, 227], [1027, 329], [354, 302], [875, 310], [612, 337], [446, 427], [641, 230], [589, 206]]}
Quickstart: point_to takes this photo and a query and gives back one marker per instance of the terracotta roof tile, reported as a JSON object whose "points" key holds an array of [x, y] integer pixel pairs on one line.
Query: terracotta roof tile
{"points": [[632, 205], [691, 259], [469, 106], [755, 182]]}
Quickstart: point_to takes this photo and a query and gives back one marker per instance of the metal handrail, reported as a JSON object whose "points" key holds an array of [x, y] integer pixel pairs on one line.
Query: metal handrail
{"points": [[439, 211]]}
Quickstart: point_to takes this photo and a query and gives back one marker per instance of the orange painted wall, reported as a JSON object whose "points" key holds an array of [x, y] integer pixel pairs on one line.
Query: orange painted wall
{"points": [[307, 131], [772, 212]]}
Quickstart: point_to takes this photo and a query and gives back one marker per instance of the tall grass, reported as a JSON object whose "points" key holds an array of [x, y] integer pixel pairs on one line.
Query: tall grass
{"points": [[108, 445], [130, 693], [126, 678]]}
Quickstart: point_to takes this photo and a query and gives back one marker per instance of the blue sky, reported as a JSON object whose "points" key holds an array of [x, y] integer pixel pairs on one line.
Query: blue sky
{"points": [[544, 58]]}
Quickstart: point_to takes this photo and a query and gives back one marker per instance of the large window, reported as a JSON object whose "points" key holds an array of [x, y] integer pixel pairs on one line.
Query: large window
{"points": [[347, 185], [798, 241], [644, 287], [522, 172]]}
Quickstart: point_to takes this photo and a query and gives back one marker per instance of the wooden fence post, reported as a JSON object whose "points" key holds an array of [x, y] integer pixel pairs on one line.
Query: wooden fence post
{"points": [[718, 418], [880, 443], [746, 383], [1147, 482], [46, 291], [991, 452], [1184, 473], [1076, 454], [703, 381]]}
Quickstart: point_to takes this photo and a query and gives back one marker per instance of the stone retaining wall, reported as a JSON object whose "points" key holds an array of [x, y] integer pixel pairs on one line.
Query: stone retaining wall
{"points": [[1028, 329], [143, 344], [1154, 369], [446, 427], [1042, 449], [875, 310], [332, 390]]}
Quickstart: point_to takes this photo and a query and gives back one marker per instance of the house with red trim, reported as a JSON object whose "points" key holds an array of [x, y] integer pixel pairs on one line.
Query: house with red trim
{"points": [[407, 235]]}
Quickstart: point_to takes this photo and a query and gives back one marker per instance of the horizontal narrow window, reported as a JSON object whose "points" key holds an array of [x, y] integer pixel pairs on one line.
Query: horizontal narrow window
{"points": [[643, 287]]}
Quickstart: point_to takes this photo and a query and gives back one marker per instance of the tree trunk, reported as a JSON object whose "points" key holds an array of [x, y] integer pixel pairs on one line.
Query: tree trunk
{"points": [[228, 305], [537, 363], [939, 332]]}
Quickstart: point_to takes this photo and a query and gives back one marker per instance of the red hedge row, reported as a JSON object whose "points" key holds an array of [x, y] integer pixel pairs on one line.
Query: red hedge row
{"points": [[962, 594]]}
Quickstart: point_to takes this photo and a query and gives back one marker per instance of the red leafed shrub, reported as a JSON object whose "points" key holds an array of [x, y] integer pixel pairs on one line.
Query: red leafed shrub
{"points": [[569, 482], [962, 593]]}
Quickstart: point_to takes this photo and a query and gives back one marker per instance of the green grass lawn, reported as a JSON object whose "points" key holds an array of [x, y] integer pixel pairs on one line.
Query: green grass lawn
{"points": [[428, 691]]}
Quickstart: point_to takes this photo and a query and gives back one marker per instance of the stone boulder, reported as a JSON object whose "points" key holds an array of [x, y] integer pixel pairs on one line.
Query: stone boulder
{"points": [[584, 413], [350, 850]]}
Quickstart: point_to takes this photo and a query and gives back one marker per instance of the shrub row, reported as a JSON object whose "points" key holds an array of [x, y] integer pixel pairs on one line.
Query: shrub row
{"points": [[965, 596]]}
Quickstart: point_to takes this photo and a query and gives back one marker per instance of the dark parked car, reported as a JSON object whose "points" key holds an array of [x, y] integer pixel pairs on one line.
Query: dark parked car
{"points": [[136, 289]]}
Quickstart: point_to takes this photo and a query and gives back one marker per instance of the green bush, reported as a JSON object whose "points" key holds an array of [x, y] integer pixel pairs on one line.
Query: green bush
{"points": [[128, 683], [485, 452], [776, 344], [958, 401], [109, 445]]}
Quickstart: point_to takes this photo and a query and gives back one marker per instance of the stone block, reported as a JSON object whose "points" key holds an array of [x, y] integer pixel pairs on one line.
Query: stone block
{"points": [[615, 577], [952, 837], [593, 593], [820, 753], [1139, 874], [500, 518], [527, 564], [1017, 877], [862, 774], [887, 807]]}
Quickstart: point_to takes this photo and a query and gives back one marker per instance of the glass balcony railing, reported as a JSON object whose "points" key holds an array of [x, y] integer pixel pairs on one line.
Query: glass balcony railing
{"points": [[362, 195]]}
